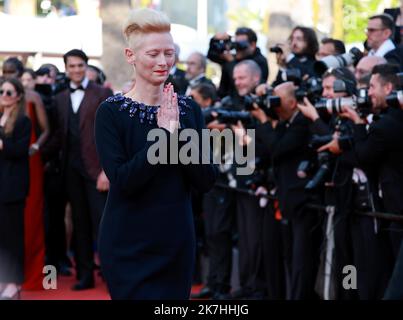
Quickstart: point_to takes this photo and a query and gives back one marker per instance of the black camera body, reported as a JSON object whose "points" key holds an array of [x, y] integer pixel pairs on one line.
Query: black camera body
{"points": [[276, 49], [226, 116], [267, 103], [395, 99], [311, 89], [227, 45]]}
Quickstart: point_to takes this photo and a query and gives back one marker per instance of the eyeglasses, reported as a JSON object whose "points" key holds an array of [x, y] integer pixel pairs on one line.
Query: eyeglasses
{"points": [[8, 93], [372, 30]]}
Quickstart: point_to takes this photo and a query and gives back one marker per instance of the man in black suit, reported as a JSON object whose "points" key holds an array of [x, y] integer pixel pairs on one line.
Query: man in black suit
{"points": [[381, 146], [380, 31], [397, 16], [196, 71], [286, 142], [298, 55], [177, 76], [85, 182], [246, 49]]}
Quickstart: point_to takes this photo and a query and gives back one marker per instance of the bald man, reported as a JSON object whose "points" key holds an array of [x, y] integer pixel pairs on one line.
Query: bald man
{"points": [[364, 69], [287, 144]]}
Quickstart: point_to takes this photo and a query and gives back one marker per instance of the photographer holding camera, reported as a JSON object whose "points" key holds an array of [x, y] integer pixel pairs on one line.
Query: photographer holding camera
{"points": [[379, 151], [245, 47], [299, 54], [286, 142], [337, 185], [219, 202]]}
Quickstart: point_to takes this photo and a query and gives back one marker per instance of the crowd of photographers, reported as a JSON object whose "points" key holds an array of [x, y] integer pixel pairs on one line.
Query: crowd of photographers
{"points": [[321, 216]]}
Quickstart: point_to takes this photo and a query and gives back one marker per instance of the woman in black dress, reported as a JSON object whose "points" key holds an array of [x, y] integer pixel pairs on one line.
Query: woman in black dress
{"points": [[146, 242], [15, 133]]}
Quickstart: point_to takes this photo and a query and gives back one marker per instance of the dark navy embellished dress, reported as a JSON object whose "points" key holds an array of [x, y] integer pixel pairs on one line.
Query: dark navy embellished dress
{"points": [[146, 241]]}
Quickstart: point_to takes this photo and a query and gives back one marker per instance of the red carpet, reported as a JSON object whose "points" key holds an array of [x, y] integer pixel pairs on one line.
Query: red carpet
{"points": [[63, 291]]}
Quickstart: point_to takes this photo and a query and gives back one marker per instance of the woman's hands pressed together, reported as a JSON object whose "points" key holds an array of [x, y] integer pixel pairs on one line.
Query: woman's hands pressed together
{"points": [[168, 113]]}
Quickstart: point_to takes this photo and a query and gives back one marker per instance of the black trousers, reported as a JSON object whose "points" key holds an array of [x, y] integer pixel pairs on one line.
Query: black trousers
{"points": [[395, 287], [341, 199], [55, 207], [396, 236], [273, 263], [87, 205], [373, 257], [301, 242], [250, 220], [12, 242], [219, 226]]}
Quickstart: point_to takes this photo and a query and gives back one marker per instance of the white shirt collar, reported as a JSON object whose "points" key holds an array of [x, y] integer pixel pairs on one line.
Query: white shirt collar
{"points": [[293, 117], [172, 71], [84, 84], [196, 79], [386, 47]]}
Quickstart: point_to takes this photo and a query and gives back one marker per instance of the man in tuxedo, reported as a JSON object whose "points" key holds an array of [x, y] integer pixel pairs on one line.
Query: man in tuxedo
{"points": [[196, 71], [85, 182]]}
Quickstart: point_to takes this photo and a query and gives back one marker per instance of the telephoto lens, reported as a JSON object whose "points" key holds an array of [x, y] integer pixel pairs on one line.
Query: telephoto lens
{"points": [[344, 60]]}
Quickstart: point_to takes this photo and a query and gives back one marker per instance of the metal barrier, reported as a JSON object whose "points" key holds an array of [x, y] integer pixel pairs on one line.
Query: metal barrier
{"points": [[374, 214]]}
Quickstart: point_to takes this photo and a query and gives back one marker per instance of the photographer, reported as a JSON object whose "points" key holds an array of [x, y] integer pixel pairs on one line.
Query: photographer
{"points": [[379, 32], [298, 54], [337, 187], [286, 143], [218, 203], [245, 49], [379, 151], [247, 75], [330, 47], [363, 70]]}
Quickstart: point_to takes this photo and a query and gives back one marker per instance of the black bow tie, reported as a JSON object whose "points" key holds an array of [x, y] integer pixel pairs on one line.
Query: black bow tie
{"points": [[80, 87]]}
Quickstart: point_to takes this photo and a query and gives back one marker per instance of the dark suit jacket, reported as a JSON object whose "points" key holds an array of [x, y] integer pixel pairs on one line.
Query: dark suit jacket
{"points": [[394, 12], [304, 64], [14, 165], [288, 146], [94, 96], [381, 148], [179, 81], [395, 57], [227, 85]]}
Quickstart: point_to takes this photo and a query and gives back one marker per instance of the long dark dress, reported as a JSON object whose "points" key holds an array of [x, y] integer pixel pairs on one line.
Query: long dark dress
{"points": [[146, 241], [14, 184]]}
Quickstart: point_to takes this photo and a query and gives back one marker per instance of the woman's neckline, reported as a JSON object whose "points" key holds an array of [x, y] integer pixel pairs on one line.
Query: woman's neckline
{"points": [[131, 100]]}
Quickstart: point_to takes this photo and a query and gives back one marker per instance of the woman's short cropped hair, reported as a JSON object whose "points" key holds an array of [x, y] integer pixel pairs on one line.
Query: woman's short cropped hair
{"points": [[143, 21]]}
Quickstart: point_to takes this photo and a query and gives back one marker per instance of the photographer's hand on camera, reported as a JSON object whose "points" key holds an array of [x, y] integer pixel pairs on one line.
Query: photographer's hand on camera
{"points": [[308, 110], [216, 125], [241, 134], [333, 146], [351, 114], [283, 56], [259, 114]]}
